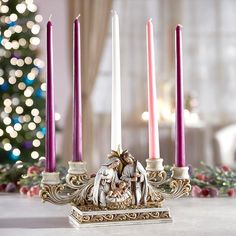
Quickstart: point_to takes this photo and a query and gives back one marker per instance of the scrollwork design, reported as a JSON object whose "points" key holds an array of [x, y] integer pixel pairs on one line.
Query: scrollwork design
{"points": [[158, 182], [70, 192], [121, 217], [157, 177], [154, 196], [54, 193], [74, 181], [77, 190], [179, 188]]}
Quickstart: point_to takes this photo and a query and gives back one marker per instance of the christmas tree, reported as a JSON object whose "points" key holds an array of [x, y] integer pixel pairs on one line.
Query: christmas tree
{"points": [[22, 92]]}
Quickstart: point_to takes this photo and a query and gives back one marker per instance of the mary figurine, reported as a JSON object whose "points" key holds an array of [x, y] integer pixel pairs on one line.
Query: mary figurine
{"points": [[105, 181]]}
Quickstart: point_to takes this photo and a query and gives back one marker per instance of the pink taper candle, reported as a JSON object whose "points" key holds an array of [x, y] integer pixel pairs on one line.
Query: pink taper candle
{"points": [[77, 118], [179, 137], [50, 113], [154, 149]]}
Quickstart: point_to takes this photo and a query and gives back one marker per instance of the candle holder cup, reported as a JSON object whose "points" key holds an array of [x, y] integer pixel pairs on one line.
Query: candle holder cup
{"points": [[121, 192]]}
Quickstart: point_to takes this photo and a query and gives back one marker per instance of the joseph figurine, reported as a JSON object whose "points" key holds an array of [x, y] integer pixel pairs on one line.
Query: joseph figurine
{"points": [[135, 175]]}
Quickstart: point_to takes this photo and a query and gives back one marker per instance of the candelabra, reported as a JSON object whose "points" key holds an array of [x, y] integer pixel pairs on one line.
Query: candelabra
{"points": [[121, 192]]}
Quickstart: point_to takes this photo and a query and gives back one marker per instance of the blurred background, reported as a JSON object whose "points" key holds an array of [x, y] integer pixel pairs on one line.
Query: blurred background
{"points": [[209, 50]]}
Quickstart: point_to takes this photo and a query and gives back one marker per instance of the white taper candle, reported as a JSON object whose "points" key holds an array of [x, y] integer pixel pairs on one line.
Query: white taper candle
{"points": [[116, 90]]}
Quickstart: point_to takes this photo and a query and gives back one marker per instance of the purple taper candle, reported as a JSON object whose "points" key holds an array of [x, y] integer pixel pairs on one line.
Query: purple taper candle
{"points": [[179, 111], [77, 116], [50, 113]]}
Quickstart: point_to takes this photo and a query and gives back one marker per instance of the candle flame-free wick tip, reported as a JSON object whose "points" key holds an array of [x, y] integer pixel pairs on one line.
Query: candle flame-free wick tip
{"points": [[149, 19], [50, 17], [77, 17], [180, 26], [113, 12]]}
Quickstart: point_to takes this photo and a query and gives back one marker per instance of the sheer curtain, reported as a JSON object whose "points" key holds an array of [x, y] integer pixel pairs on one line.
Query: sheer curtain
{"points": [[209, 46], [133, 17], [94, 18]]}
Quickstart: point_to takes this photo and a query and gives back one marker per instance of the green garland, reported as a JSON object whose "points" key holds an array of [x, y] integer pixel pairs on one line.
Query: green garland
{"points": [[206, 181], [213, 181], [24, 177]]}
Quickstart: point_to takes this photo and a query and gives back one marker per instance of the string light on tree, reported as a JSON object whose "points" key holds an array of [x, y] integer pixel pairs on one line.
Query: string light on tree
{"points": [[35, 155], [22, 91], [36, 143], [16, 152]]}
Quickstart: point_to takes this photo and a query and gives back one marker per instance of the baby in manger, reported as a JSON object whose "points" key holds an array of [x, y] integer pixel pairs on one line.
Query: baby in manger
{"points": [[130, 187], [118, 191]]}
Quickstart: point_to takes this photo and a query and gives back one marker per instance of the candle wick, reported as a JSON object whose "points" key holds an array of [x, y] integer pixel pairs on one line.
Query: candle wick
{"points": [[179, 25], [50, 17], [113, 12], [77, 17], [150, 19]]}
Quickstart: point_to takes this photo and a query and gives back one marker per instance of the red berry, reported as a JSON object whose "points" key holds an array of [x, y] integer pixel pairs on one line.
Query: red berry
{"points": [[196, 191], [231, 192], [35, 190], [32, 170], [225, 168], [213, 192], [30, 193], [2, 187], [201, 177], [205, 192], [24, 190]]}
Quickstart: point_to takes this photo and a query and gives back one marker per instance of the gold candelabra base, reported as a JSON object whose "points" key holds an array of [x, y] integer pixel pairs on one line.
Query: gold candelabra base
{"points": [[96, 217], [78, 190]]}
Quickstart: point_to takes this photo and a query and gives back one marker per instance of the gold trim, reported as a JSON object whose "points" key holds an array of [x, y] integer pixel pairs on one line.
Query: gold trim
{"points": [[76, 180], [116, 217], [180, 188], [91, 207], [78, 191], [156, 177]]}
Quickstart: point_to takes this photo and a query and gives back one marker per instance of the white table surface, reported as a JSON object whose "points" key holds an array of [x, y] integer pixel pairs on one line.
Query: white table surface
{"points": [[20, 215]]}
